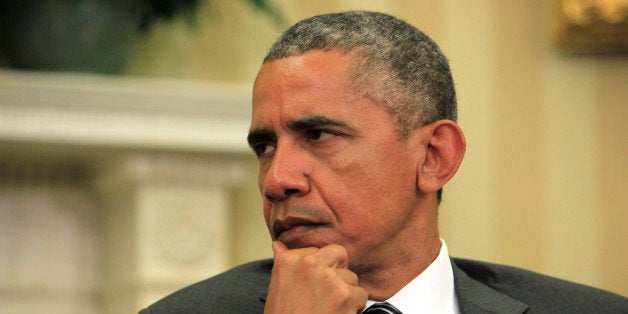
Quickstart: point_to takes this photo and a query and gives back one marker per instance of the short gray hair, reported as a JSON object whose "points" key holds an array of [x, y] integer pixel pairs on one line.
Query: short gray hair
{"points": [[410, 73]]}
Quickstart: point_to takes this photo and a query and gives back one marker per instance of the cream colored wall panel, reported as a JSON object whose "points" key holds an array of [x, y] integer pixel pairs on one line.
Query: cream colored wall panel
{"points": [[572, 200], [468, 215]]}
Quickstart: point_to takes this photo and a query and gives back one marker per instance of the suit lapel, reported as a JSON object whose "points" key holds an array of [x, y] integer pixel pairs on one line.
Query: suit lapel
{"points": [[475, 297], [265, 280]]}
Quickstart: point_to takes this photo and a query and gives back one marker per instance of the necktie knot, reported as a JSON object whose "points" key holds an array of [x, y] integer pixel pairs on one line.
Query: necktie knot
{"points": [[382, 308]]}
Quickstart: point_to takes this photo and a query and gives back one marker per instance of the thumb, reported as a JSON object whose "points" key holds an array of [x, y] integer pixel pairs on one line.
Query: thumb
{"points": [[278, 248]]}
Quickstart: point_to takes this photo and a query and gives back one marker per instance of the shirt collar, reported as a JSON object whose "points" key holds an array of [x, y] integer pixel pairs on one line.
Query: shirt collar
{"points": [[432, 291]]}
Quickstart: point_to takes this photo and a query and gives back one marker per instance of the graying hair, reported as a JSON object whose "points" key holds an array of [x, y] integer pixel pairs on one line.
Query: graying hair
{"points": [[400, 67]]}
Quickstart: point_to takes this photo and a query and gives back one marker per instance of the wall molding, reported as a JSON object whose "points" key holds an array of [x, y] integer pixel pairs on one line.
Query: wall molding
{"points": [[110, 111]]}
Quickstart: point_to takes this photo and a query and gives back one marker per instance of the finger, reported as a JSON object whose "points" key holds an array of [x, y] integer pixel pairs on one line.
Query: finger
{"points": [[359, 298], [278, 248], [285, 258], [347, 276], [333, 255]]}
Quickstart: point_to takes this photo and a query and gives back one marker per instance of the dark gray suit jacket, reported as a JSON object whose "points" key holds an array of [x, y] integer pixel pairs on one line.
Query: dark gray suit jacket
{"points": [[480, 288]]}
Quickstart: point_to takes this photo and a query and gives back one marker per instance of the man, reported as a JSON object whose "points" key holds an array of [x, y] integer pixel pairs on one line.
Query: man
{"points": [[354, 127]]}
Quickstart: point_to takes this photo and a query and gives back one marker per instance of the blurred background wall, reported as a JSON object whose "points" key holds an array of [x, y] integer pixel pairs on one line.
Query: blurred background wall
{"points": [[100, 224]]}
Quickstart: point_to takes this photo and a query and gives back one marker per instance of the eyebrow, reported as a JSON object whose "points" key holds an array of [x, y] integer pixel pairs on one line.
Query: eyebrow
{"points": [[260, 135], [264, 135], [315, 122]]}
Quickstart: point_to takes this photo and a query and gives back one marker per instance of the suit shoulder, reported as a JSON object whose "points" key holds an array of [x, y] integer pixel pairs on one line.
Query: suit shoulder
{"points": [[237, 290], [540, 292]]}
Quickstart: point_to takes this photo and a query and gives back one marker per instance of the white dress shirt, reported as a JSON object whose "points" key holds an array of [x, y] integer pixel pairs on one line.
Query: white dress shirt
{"points": [[432, 291]]}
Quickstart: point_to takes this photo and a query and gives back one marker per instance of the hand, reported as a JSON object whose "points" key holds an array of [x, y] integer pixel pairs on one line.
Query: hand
{"points": [[313, 280]]}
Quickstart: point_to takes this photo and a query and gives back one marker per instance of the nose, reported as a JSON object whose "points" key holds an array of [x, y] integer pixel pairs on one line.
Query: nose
{"points": [[285, 176]]}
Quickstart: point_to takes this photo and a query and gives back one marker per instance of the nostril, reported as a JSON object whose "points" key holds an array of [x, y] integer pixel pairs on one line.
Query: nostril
{"points": [[276, 198], [270, 197]]}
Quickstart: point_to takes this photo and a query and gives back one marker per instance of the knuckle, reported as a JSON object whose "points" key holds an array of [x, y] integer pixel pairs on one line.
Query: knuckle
{"points": [[352, 278], [337, 249], [343, 294], [329, 275], [309, 262]]}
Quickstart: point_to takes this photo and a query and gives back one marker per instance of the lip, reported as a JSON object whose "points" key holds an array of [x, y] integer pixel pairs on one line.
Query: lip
{"points": [[290, 228]]}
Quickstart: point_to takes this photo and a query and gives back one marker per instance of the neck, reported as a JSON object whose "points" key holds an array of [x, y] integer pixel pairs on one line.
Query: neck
{"points": [[383, 281]]}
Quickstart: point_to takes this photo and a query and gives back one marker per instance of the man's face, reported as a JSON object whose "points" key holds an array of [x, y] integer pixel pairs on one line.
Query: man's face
{"points": [[333, 168]]}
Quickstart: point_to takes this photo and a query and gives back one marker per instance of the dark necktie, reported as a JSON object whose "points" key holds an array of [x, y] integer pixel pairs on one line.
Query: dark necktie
{"points": [[381, 308]]}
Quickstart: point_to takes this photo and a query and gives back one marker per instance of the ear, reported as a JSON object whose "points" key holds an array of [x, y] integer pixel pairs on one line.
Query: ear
{"points": [[445, 147]]}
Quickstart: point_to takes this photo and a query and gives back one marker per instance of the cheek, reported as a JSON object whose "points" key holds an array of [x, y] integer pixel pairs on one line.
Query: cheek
{"points": [[267, 210], [267, 219], [355, 199], [373, 189], [265, 204], [260, 184]]}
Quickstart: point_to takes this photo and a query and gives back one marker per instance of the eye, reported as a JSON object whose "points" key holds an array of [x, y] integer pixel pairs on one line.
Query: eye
{"points": [[263, 149], [319, 135]]}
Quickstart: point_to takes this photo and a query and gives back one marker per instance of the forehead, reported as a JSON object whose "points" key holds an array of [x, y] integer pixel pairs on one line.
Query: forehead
{"points": [[312, 70], [312, 83]]}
